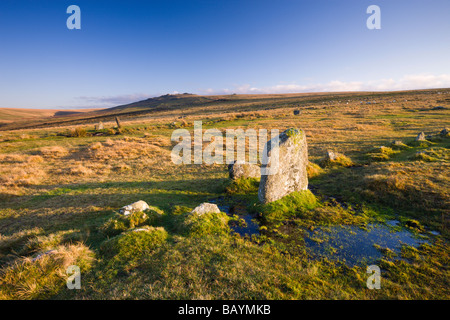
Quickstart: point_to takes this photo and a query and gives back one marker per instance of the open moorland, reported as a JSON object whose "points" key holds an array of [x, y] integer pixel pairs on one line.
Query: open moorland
{"points": [[63, 181]]}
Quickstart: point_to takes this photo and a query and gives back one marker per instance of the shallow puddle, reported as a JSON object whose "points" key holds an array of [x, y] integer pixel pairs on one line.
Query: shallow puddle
{"points": [[348, 244], [249, 228], [353, 245]]}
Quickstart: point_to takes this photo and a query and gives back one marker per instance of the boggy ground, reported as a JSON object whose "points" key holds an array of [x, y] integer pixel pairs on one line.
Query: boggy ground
{"points": [[61, 188]]}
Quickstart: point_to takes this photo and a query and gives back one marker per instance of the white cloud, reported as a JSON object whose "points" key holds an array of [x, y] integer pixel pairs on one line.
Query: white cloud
{"points": [[422, 81]]}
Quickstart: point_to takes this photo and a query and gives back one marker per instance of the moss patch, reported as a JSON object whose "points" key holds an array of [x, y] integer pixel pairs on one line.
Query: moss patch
{"points": [[207, 224], [243, 186], [134, 242], [287, 207]]}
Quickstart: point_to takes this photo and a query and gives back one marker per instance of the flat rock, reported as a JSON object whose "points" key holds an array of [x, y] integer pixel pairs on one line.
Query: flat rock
{"points": [[137, 206], [206, 207], [332, 155], [445, 132], [41, 255], [240, 169], [291, 174]]}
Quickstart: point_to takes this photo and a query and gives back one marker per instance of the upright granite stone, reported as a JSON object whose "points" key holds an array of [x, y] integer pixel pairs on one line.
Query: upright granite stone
{"points": [[421, 137], [331, 155], [291, 174], [118, 123]]}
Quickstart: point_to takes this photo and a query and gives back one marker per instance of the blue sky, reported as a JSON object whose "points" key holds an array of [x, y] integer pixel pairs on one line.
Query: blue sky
{"points": [[130, 50]]}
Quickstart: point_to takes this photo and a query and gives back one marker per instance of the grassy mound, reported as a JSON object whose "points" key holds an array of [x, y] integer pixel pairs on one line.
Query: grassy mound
{"points": [[340, 161], [207, 224], [120, 223], [399, 146], [134, 242], [382, 153], [313, 170], [423, 156]]}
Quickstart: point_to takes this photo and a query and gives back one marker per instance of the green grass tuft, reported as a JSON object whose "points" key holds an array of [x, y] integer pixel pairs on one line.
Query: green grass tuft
{"points": [[340, 161], [243, 186], [134, 242], [120, 223], [290, 206], [207, 224]]}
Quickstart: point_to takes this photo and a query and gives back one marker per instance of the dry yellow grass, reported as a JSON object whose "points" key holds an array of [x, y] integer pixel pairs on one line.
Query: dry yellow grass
{"points": [[20, 175], [79, 170], [43, 275], [53, 152]]}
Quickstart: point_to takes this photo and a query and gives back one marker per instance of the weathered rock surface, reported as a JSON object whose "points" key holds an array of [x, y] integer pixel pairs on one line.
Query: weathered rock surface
{"points": [[291, 174], [100, 126], [46, 253], [240, 169], [420, 137], [137, 206], [445, 132], [118, 123], [331, 155], [206, 207]]}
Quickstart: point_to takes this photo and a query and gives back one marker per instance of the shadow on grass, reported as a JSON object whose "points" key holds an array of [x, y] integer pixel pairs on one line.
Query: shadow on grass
{"points": [[87, 203]]}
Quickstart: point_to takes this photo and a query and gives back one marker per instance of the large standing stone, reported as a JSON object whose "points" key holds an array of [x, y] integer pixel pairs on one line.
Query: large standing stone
{"points": [[291, 174], [240, 169]]}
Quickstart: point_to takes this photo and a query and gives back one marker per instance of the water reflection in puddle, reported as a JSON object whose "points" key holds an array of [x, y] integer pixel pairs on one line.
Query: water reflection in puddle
{"points": [[249, 228], [353, 245], [349, 244]]}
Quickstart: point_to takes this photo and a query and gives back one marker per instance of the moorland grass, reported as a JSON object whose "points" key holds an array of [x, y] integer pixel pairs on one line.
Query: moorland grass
{"points": [[62, 193]]}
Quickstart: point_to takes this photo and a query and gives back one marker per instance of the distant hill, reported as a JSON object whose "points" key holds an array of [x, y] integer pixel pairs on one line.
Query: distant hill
{"points": [[177, 105], [8, 115]]}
